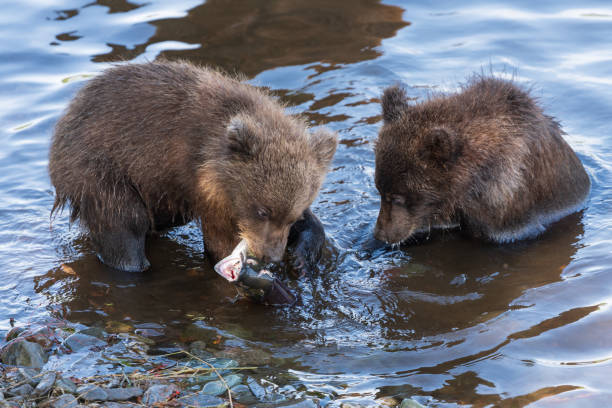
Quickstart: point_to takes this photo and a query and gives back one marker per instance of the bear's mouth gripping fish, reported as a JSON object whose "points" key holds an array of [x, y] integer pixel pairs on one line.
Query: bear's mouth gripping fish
{"points": [[257, 283]]}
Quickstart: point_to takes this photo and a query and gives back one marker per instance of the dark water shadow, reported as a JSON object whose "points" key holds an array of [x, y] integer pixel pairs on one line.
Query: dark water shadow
{"points": [[468, 388], [181, 287], [452, 282], [250, 36]]}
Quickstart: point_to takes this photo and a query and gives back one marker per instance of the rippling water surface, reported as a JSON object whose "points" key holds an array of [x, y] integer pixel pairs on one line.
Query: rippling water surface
{"points": [[450, 321]]}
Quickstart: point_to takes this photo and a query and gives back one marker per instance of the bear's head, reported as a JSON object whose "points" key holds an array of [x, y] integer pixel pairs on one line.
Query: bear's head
{"points": [[415, 160], [271, 169]]}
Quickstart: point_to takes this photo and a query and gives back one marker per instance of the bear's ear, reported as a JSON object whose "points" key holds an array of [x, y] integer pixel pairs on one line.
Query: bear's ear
{"points": [[394, 102], [240, 139], [441, 147], [324, 145]]}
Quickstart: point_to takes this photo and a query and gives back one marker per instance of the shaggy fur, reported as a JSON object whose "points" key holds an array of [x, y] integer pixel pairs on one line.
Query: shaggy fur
{"points": [[144, 147], [486, 159]]}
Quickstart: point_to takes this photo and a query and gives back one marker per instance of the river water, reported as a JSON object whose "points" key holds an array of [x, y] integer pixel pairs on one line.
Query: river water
{"points": [[449, 321]]}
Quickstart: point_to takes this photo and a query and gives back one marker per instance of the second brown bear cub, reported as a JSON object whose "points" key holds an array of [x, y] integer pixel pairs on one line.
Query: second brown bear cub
{"points": [[485, 159], [144, 147]]}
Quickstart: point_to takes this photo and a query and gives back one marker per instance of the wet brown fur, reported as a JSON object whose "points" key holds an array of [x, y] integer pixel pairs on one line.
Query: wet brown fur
{"points": [[486, 159], [144, 147]]}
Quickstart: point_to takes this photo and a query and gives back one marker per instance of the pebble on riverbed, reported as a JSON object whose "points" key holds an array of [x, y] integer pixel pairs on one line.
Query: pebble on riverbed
{"points": [[64, 385], [91, 392], [241, 393], [121, 405], [78, 341], [202, 400], [410, 403], [133, 371], [65, 401], [31, 375], [159, 393], [46, 382], [23, 390], [20, 352], [213, 388], [123, 394]]}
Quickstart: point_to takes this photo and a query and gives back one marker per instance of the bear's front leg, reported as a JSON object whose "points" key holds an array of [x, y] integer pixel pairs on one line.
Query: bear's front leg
{"points": [[121, 249], [117, 227], [307, 238]]}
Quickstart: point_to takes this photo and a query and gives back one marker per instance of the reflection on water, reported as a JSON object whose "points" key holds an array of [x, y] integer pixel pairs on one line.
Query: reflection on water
{"points": [[447, 321], [466, 283], [446, 286], [255, 35]]}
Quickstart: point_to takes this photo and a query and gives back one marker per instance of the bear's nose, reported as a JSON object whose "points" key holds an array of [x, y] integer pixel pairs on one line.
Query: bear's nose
{"points": [[380, 234]]}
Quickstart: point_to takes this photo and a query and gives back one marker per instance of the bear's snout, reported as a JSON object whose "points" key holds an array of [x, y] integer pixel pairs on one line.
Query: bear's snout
{"points": [[394, 224], [390, 234], [274, 247], [268, 245], [380, 233]]}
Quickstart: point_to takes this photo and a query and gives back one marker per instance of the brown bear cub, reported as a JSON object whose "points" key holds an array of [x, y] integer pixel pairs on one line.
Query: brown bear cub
{"points": [[486, 159], [145, 147]]}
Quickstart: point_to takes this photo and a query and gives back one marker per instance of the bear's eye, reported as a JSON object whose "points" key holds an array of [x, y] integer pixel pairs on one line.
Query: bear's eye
{"points": [[263, 213], [398, 199]]}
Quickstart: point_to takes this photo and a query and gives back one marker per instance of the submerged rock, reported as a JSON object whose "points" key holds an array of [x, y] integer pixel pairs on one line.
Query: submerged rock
{"points": [[14, 333], [222, 363], [122, 394], [198, 349], [256, 389], [275, 398], [10, 404], [352, 405], [194, 332], [233, 379], [79, 341], [24, 390], [148, 333], [387, 402], [248, 356], [305, 403], [242, 394], [118, 327], [202, 400], [65, 401], [203, 379], [159, 393], [31, 375], [21, 352], [46, 382], [214, 388], [91, 392], [95, 332], [45, 336], [65, 385], [410, 403]]}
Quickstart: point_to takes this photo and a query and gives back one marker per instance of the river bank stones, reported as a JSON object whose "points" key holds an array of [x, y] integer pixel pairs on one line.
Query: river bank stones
{"points": [[20, 352], [159, 393], [78, 341], [46, 382]]}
